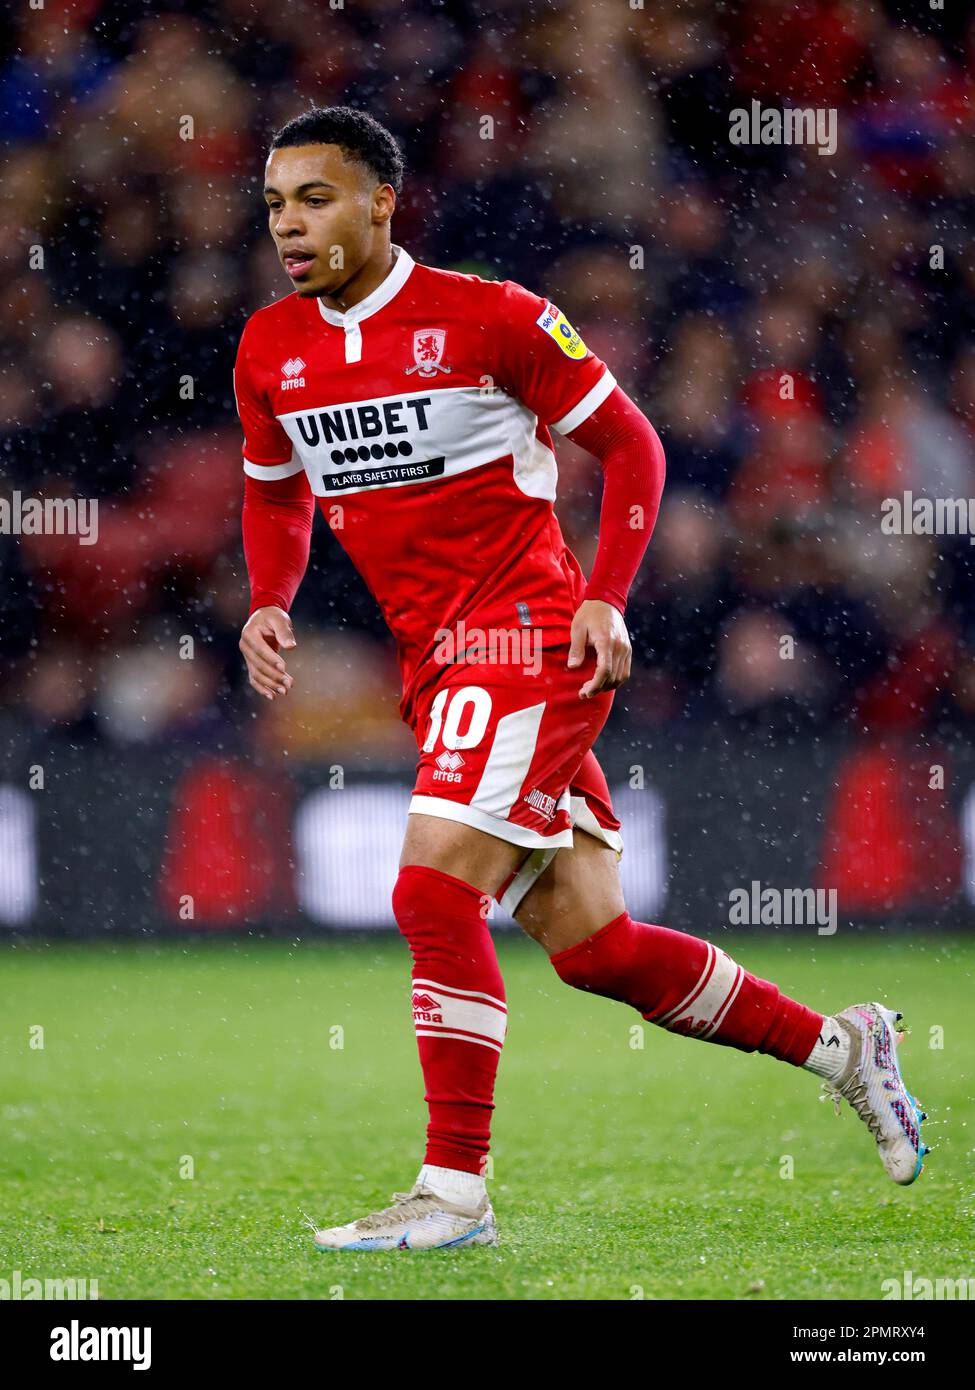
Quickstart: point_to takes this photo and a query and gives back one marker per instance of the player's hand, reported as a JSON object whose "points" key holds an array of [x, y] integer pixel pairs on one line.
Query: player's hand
{"points": [[600, 625], [266, 633]]}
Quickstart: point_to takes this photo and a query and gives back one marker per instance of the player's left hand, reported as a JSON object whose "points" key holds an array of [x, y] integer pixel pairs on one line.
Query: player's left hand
{"points": [[600, 625]]}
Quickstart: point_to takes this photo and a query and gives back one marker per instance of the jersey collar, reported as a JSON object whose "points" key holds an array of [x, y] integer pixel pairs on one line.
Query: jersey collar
{"points": [[381, 295]]}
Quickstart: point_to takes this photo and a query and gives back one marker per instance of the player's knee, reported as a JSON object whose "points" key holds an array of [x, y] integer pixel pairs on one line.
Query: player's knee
{"points": [[444, 921], [576, 967], [430, 904], [408, 894], [601, 963]]}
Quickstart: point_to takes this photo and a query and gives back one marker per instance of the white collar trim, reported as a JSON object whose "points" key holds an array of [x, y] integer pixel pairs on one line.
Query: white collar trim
{"points": [[381, 295]]}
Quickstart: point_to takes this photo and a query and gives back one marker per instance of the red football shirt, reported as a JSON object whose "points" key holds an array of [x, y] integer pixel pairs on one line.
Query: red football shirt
{"points": [[420, 418]]}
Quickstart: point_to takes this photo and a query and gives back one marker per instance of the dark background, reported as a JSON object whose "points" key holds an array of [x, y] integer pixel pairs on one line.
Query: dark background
{"points": [[701, 271]]}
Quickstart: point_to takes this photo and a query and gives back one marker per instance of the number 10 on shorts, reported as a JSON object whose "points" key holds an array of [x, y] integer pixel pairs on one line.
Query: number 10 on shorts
{"points": [[446, 719]]}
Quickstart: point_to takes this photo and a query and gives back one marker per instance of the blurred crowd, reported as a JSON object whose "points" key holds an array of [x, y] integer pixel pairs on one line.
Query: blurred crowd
{"points": [[800, 328]]}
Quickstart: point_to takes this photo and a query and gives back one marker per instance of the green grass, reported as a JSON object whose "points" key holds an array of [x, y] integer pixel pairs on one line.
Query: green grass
{"points": [[617, 1170]]}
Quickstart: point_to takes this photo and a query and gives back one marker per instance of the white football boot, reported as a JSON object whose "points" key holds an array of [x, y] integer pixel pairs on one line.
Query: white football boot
{"points": [[872, 1083], [416, 1220]]}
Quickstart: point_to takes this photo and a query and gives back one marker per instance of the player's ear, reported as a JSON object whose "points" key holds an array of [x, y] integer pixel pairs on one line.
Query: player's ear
{"points": [[383, 202]]}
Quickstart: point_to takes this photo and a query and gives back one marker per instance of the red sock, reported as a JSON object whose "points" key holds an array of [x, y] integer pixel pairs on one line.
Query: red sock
{"points": [[458, 1010], [689, 986]]}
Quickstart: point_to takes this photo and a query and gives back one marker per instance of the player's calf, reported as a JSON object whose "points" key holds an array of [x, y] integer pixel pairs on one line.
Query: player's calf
{"points": [[459, 1011], [689, 986]]}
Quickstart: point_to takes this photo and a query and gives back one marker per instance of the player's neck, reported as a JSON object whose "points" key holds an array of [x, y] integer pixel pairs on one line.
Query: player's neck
{"points": [[362, 283]]}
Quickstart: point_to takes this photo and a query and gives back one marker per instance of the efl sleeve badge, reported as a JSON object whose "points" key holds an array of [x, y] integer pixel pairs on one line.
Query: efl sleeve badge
{"points": [[554, 323]]}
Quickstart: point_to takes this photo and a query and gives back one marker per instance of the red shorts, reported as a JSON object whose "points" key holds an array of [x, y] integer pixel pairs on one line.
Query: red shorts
{"points": [[510, 753]]}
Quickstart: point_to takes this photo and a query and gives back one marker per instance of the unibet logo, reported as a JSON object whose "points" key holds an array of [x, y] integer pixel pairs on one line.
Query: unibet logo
{"points": [[554, 323]]}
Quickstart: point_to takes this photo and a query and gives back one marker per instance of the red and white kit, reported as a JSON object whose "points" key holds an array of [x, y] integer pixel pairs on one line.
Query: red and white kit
{"points": [[419, 420]]}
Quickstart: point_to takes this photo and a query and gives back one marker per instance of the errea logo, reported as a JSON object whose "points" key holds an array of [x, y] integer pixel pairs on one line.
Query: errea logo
{"points": [[291, 371], [426, 1009], [448, 765]]}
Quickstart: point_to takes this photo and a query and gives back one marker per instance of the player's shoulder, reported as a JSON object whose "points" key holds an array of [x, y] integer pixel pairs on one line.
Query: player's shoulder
{"points": [[268, 322], [434, 282], [525, 322], [498, 296]]}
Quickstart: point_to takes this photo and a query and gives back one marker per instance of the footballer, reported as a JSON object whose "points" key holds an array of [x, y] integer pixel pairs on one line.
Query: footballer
{"points": [[414, 407]]}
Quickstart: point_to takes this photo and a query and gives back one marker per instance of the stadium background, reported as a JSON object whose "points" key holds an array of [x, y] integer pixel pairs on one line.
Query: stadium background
{"points": [[169, 1108], [701, 271]]}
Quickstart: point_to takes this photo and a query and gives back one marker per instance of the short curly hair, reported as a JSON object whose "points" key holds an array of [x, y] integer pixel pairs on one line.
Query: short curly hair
{"points": [[358, 135]]}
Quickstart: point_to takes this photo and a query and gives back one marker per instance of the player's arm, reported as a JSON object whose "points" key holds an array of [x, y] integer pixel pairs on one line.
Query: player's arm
{"points": [[276, 524], [544, 362], [632, 460]]}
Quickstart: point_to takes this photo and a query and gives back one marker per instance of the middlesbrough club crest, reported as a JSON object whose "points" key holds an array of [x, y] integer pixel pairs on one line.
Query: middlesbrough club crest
{"points": [[428, 345]]}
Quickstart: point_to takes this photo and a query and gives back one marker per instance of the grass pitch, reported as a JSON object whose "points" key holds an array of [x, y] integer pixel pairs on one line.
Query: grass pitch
{"points": [[284, 1077]]}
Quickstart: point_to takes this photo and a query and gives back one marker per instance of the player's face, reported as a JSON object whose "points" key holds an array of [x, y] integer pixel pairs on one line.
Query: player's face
{"points": [[323, 213]]}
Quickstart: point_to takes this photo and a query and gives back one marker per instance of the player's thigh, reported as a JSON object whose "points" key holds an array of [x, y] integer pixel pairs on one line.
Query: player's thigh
{"points": [[482, 860], [578, 893]]}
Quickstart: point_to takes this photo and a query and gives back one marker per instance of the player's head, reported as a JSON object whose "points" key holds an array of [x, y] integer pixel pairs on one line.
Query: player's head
{"points": [[330, 185]]}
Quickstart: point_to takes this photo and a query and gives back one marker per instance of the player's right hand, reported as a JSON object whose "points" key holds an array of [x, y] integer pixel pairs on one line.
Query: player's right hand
{"points": [[266, 633]]}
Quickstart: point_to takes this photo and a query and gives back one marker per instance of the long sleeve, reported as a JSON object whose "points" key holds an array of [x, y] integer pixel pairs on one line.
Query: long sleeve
{"points": [[276, 522], [632, 460]]}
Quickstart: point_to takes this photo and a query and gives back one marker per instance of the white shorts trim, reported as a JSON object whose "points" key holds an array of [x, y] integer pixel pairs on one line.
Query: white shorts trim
{"points": [[583, 819], [491, 825]]}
